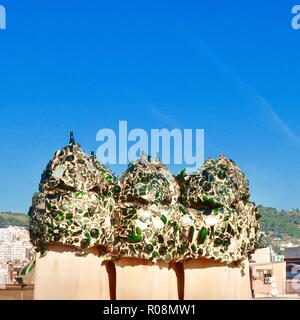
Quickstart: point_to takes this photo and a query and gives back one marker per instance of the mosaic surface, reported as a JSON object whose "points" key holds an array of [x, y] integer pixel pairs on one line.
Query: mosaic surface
{"points": [[146, 224], [216, 184], [148, 182], [147, 213], [220, 221], [75, 205]]}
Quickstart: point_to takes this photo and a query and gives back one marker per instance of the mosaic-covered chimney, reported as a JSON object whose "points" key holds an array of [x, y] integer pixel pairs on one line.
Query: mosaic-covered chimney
{"points": [[145, 222], [220, 222], [147, 215], [74, 205]]}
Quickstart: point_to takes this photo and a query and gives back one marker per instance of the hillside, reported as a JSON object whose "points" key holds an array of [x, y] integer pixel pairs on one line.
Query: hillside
{"points": [[280, 224], [279, 228], [13, 219]]}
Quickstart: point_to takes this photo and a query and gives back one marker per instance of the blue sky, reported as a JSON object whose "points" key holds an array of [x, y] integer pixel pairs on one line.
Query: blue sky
{"points": [[230, 67]]}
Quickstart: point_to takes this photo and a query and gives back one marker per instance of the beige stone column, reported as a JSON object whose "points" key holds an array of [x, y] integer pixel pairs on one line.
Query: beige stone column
{"points": [[61, 275], [211, 280], [142, 280]]}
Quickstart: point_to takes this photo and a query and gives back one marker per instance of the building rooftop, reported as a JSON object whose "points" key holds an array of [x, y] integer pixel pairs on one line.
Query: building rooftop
{"points": [[292, 253]]}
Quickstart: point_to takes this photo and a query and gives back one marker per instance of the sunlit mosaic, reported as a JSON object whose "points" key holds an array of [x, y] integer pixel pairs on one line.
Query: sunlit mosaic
{"points": [[75, 205], [148, 213], [220, 222], [216, 184]]}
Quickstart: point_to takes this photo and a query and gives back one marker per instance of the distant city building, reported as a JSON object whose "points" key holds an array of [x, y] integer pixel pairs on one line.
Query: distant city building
{"points": [[5, 234], [278, 258], [3, 278], [287, 245], [268, 273], [15, 253], [14, 234], [292, 259]]}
